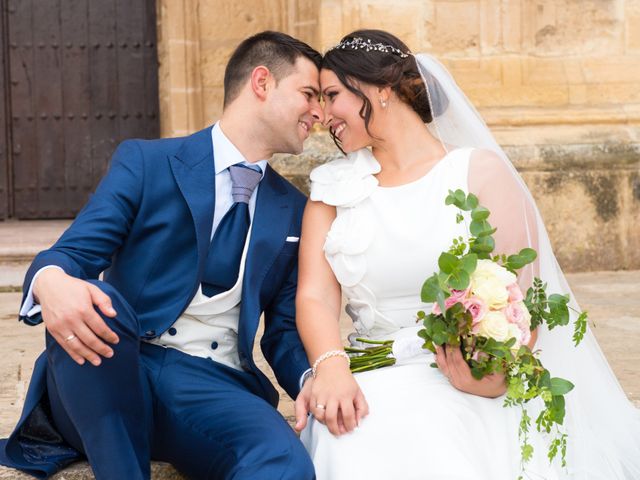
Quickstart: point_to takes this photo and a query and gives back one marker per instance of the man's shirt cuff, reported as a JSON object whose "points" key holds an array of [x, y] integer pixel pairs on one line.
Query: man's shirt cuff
{"points": [[304, 377], [29, 306]]}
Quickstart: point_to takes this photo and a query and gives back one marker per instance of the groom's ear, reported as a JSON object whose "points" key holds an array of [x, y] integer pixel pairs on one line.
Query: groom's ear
{"points": [[260, 81]]}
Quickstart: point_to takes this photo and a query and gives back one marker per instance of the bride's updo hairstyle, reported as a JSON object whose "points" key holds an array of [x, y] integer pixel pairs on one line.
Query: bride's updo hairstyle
{"points": [[379, 58]]}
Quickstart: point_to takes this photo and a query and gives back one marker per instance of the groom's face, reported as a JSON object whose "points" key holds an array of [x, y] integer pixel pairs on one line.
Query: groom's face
{"points": [[294, 107]]}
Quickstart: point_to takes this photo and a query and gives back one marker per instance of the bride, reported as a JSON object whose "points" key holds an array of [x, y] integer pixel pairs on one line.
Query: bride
{"points": [[373, 231]]}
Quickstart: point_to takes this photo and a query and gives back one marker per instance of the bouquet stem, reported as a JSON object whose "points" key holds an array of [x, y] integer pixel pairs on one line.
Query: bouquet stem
{"points": [[380, 354]]}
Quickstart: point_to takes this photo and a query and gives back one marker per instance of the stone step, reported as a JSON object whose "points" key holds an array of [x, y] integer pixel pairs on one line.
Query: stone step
{"points": [[82, 471], [20, 241], [12, 273]]}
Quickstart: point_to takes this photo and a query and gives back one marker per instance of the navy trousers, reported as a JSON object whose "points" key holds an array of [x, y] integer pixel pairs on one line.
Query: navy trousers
{"points": [[148, 402]]}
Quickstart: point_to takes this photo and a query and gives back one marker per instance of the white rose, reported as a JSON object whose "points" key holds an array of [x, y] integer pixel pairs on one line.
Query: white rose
{"points": [[489, 281], [492, 291], [515, 332], [495, 325], [489, 268]]}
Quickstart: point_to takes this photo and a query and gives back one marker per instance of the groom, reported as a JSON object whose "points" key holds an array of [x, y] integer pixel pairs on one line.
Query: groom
{"points": [[197, 237]]}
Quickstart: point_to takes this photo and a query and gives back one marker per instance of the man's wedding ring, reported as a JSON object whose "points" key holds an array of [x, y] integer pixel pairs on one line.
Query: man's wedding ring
{"points": [[319, 406], [69, 338]]}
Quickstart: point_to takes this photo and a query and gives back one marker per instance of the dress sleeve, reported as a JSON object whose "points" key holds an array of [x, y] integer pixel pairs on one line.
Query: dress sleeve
{"points": [[345, 182], [499, 188]]}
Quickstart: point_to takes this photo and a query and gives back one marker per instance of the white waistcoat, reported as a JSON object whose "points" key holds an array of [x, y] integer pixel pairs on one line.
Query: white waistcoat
{"points": [[208, 328]]}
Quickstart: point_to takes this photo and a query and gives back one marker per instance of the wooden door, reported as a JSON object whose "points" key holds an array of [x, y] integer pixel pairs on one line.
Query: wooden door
{"points": [[83, 77]]}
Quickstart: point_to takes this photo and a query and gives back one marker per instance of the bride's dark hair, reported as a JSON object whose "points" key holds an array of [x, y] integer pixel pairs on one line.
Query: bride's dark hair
{"points": [[390, 68]]}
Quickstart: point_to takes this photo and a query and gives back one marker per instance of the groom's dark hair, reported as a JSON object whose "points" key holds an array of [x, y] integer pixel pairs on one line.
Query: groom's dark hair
{"points": [[275, 50]]}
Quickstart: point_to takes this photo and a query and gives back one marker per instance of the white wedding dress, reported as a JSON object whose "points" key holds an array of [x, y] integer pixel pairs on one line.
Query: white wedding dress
{"points": [[383, 244]]}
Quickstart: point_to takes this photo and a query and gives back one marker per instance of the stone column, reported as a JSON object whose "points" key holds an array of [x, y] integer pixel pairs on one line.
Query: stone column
{"points": [[180, 77]]}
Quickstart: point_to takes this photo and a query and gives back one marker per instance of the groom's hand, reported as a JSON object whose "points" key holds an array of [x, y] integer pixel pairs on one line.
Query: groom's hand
{"points": [[69, 315], [302, 407]]}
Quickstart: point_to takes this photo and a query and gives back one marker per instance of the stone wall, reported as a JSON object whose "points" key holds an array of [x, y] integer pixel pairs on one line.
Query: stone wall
{"points": [[558, 82]]}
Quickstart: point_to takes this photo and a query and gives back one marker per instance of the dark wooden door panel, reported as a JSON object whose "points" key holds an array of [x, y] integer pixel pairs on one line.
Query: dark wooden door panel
{"points": [[47, 81], [84, 77], [24, 158], [150, 124], [130, 53], [77, 102], [103, 70], [4, 163]]}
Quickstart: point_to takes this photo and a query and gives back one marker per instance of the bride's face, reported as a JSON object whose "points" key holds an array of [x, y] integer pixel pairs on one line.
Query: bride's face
{"points": [[342, 112]]}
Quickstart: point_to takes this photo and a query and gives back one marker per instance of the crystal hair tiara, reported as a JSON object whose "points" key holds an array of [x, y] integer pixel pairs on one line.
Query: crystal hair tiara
{"points": [[358, 43]]}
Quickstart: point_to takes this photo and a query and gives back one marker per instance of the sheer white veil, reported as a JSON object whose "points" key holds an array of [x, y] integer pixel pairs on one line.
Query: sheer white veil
{"points": [[602, 424]]}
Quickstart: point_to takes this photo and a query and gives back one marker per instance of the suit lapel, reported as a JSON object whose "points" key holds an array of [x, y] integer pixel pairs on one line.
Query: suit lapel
{"points": [[193, 169], [270, 226]]}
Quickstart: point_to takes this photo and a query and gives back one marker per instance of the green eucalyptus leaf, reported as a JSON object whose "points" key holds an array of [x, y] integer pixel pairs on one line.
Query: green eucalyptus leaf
{"points": [[459, 280], [529, 254], [487, 232], [510, 343], [476, 227], [450, 199], [439, 326], [545, 379], [480, 213], [447, 262], [430, 289], [516, 262], [469, 263], [440, 338], [560, 386], [428, 345], [483, 246], [472, 201], [557, 409], [443, 283]]}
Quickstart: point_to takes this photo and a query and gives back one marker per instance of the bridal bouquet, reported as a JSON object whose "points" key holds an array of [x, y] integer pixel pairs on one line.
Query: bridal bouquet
{"points": [[479, 307]]}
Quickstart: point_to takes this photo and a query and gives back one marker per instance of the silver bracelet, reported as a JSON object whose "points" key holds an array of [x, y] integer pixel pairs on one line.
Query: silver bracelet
{"points": [[325, 355]]}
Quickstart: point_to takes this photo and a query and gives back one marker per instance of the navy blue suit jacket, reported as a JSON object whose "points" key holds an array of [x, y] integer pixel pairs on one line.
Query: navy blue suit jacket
{"points": [[148, 227]]}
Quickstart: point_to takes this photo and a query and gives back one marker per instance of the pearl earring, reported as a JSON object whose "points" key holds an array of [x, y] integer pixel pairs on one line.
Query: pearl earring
{"points": [[383, 103]]}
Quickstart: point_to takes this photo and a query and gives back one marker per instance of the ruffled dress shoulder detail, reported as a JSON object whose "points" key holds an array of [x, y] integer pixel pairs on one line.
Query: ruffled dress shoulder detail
{"points": [[346, 184]]}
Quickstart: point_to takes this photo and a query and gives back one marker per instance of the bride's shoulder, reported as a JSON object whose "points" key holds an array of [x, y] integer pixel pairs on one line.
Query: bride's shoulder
{"points": [[345, 181], [487, 163], [486, 157], [487, 170]]}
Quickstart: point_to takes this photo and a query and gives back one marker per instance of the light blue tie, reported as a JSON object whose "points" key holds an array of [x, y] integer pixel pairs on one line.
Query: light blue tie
{"points": [[225, 252]]}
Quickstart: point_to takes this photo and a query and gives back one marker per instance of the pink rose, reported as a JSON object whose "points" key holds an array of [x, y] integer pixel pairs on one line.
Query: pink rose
{"points": [[455, 297], [515, 294], [515, 313], [476, 307], [518, 314]]}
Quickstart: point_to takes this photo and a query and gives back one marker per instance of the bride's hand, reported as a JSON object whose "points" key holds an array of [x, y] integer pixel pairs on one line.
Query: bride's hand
{"points": [[335, 389], [452, 364]]}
